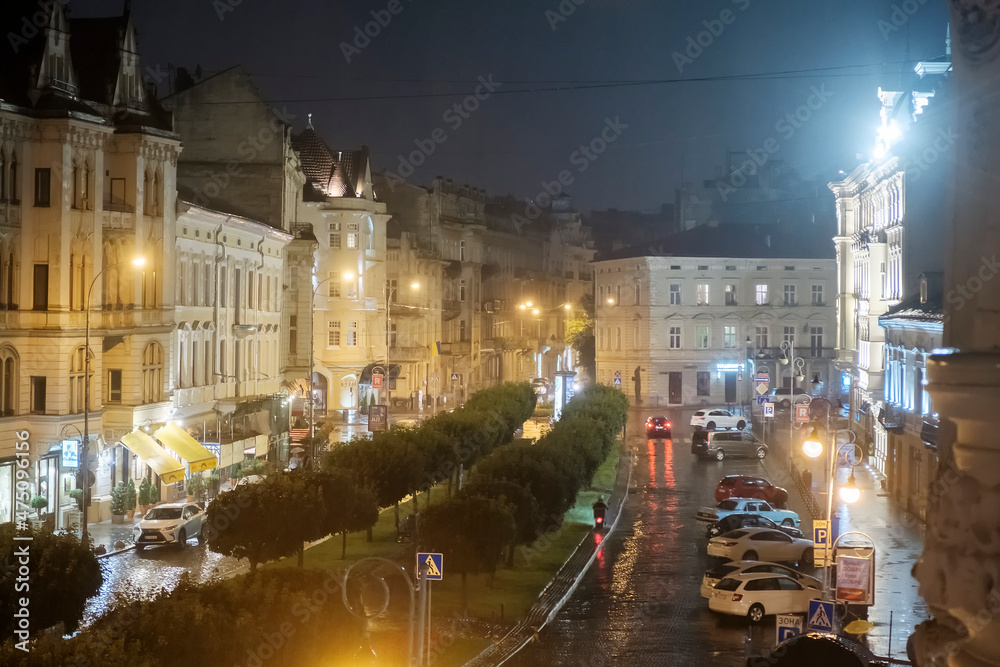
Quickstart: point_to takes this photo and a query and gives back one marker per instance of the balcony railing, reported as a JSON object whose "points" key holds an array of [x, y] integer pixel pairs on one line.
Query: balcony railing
{"points": [[929, 432], [458, 349], [10, 215], [119, 205]]}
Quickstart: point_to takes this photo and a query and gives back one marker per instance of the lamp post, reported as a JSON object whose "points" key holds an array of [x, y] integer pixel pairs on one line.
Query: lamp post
{"points": [[312, 361], [85, 454], [849, 493], [795, 374]]}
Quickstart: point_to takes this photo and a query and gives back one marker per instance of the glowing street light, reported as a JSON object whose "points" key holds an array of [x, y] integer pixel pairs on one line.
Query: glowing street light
{"points": [[414, 285], [535, 311], [850, 493], [812, 447], [611, 301], [568, 306]]}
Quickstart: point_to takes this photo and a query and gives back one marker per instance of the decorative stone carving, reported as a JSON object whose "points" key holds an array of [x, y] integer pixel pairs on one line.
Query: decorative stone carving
{"points": [[977, 27]]}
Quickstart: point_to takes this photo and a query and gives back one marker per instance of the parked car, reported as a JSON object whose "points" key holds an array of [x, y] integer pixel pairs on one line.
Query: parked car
{"points": [[747, 506], [760, 594], [761, 544], [750, 486], [170, 523], [782, 397], [712, 419], [720, 444], [719, 572], [734, 521], [658, 426]]}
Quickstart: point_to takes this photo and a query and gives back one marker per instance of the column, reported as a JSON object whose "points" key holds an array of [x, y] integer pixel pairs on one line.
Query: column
{"points": [[959, 571]]}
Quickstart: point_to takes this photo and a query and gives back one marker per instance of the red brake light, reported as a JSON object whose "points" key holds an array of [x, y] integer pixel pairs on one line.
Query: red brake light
{"points": [[737, 597], [599, 520]]}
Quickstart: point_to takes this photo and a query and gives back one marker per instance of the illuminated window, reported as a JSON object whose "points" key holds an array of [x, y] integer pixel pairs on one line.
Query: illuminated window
{"points": [[761, 295], [729, 337], [333, 334], [675, 338], [675, 294], [701, 337], [702, 294]]}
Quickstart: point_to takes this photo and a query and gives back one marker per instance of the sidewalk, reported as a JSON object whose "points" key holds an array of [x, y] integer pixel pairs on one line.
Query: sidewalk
{"points": [[561, 588], [898, 538], [108, 534]]}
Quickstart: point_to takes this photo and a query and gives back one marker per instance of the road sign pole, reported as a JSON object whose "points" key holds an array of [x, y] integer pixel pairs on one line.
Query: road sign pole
{"points": [[421, 612], [429, 592]]}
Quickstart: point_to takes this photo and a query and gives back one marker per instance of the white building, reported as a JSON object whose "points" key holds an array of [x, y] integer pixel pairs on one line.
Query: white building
{"points": [[87, 182], [890, 213], [688, 316]]}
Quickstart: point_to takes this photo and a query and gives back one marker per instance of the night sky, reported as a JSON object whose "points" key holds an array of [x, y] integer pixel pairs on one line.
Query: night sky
{"points": [[514, 142]]}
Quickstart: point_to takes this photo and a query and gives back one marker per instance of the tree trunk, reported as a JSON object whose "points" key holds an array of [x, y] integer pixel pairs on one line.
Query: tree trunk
{"points": [[368, 534], [302, 554], [465, 594], [461, 472], [510, 555], [343, 545], [428, 505], [397, 521], [449, 485]]}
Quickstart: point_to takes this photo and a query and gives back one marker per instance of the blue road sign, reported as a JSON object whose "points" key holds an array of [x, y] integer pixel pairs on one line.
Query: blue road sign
{"points": [[820, 616], [618, 382], [788, 625], [434, 564], [455, 377], [761, 400], [768, 409]]}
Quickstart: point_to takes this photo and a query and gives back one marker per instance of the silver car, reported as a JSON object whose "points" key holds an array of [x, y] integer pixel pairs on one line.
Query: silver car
{"points": [[170, 523]]}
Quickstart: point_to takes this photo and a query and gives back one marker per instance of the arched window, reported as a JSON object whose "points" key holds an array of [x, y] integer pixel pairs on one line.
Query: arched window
{"points": [[152, 373], [8, 381], [77, 388], [14, 199], [3, 176]]}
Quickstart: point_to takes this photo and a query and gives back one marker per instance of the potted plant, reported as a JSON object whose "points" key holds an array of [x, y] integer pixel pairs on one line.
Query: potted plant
{"points": [[130, 499], [38, 503], [77, 495], [214, 484], [154, 494], [195, 487], [144, 487], [118, 504]]}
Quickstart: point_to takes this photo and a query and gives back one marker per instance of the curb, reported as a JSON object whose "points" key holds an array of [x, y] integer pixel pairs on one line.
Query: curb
{"points": [[130, 547], [496, 654]]}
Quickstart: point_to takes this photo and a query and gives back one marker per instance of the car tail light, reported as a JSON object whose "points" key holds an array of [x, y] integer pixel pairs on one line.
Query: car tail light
{"points": [[737, 597], [728, 543]]}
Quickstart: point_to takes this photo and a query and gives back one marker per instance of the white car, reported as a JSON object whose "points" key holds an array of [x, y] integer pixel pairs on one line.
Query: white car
{"points": [[761, 544], [711, 419], [720, 572], [763, 508], [760, 594], [170, 523]]}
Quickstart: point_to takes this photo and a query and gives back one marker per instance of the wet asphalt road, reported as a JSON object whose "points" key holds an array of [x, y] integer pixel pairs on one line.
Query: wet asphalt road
{"points": [[640, 604]]}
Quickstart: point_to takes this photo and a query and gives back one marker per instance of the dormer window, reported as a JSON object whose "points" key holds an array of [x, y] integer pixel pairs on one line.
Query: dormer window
{"points": [[923, 289]]}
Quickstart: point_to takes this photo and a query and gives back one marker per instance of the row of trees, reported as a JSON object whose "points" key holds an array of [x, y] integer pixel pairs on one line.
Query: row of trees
{"points": [[520, 490], [404, 461]]}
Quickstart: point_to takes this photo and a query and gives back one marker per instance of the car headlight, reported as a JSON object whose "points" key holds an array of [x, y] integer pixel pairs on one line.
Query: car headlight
{"points": [[171, 528]]}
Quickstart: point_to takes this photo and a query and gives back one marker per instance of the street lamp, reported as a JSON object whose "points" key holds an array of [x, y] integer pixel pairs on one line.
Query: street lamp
{"points": [[812, 446], [850, 493], [138, 262]]}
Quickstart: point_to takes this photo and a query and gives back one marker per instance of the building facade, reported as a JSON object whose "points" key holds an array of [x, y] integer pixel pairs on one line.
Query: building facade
{"points": [[889, 215], [677, 328]]}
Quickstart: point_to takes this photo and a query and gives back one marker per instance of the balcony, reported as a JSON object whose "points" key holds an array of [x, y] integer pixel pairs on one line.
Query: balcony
{"points": [[456, 349], [405, 310], [929, 432], [892, 417], [450, 309], [303, 231], [10, 215], [409, 353], [117, 219]]}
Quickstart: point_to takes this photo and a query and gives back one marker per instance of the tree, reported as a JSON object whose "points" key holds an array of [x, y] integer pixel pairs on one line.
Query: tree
{"points": [[264, 521], [580, 335], [62, 575], [347, 507], [471, 532], [523, 507]]}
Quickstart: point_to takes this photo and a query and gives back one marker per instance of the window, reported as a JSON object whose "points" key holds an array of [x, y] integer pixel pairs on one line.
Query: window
{"points": [[8, 381], [293, 334], [152, 373], [618, 338], [702, 294], [209, 379], [115, 385], [703, 267], [789, 268], [223, 375], [77, 389], [40, 300], [392, 335], [636, 341], [333, 334], [730, 294], [701, 337], [352, 289], [222, 287], [761, 295], [760, 335], [352, 240], [43, 187], [729, 337], [788, 335], [704, 380], [816, 339], [37, 395], [391, 286], [638, 292], [461, 290], [789, 295], [675, 338], [13, 198], [334, 289], [675, 267], [352, 334], [335, 240], [675, 294], [462, 331], [762, 267], [461, 251], [817, 295]]}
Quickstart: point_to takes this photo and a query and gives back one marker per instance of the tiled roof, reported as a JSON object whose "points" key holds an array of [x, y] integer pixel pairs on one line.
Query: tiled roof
{"points": [[912, 309], [775, 241], [330, 173]]}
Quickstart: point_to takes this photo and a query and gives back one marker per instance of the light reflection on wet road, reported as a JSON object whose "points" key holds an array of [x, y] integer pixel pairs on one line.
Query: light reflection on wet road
{"points": [[156, 568], [640, 604]]}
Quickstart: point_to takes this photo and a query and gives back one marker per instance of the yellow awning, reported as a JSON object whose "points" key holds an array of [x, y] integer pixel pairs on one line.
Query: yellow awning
{"points": [[186, 447], [163, 464]]}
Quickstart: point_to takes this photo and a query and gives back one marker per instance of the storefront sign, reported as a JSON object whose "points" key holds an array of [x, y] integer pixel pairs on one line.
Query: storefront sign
{"points": [[70, 453], [728, 368], [854, 579]]}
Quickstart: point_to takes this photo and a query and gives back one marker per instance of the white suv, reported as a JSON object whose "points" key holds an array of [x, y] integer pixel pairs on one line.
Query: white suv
{"points": [[711, 418], [170, 523]]}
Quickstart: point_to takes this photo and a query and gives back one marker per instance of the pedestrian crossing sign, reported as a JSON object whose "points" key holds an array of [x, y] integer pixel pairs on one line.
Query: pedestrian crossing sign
{"points": [[820, 616], [433, 564]]}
